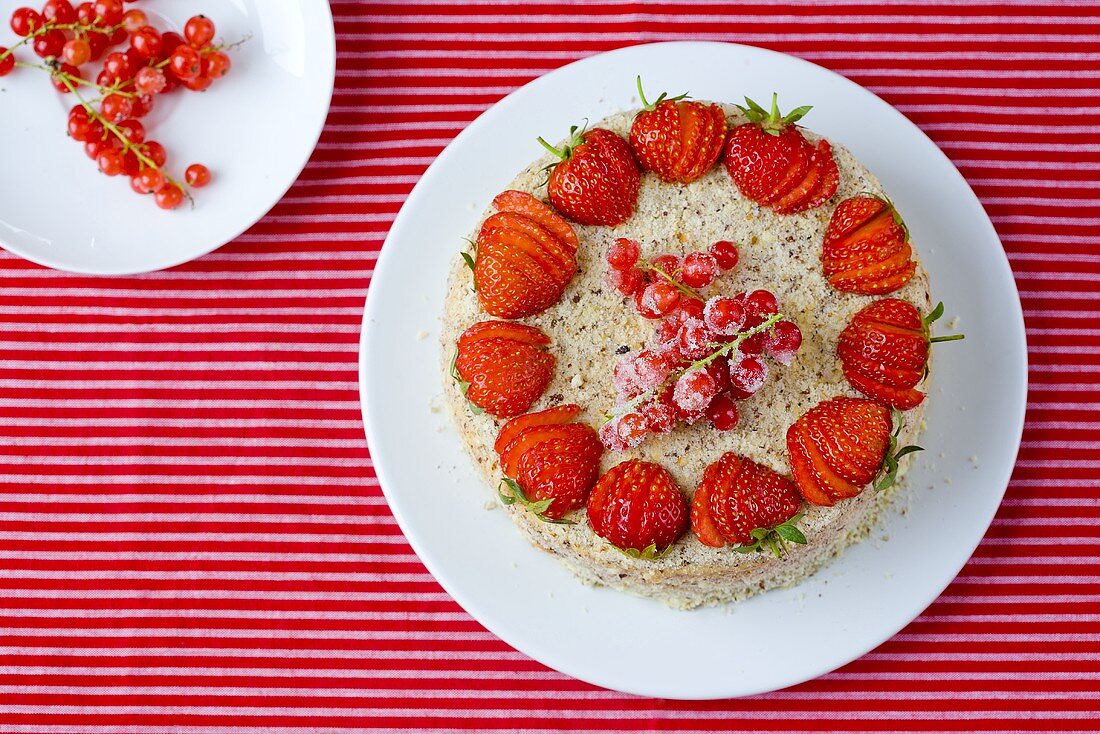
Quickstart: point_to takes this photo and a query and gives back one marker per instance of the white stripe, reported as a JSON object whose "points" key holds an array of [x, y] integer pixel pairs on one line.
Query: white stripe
{"points": [[251, 634], [706, 19], [250, 652], [241, 614]]}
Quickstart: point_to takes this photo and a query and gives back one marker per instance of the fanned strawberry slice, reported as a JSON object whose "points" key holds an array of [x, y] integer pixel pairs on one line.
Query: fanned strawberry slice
{"points": [[799, 155], [702, 522], [818, 185], [677, 139], [561, 470], [527, 439], [897, 397], [866, 247], [550, 416], [553, 261], [501, 375], [525, 205], [547, 245]]}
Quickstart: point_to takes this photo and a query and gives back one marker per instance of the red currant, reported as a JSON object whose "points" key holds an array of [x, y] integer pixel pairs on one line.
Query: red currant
{"points": [[7, 61], [85, 14], [117, 67], [24, 21], [109, 12], [97, 44], [169, 196], [109, 161], [59, 11], [198, 84], [722, 412], [76, 52], [698, 270], [199, 31], [185, 63], [216, 65], [148, 181], [690, 308], [79, 127], [694, 339], [169, 42], [49, 43], [130, 164], [118, 35], [133, 19], [623, 253], [725, 253], [115, 107], [668, 264], [147, 42], [660, 416], [133, 130], [141, 105], [154, 151], [149, 80], [626, 282], [197, 175]]}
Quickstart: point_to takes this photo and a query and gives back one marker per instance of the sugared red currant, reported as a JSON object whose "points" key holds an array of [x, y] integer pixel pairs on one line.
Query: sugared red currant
{"points": [[141, 105], [747, 375], [149, 80], [658, 299], [668, 264], [199, 31], [660, 416], [725, 253], [623, 253], [694, 339], [761, 303], [698, 270], [169, 196], [694, 391], [24, 21], [725, 315], [722, 412], [782, 341]]}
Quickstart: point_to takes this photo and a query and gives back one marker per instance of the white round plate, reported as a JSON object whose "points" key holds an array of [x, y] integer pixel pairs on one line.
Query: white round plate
{"points": [[255, 129], [635, 645]]}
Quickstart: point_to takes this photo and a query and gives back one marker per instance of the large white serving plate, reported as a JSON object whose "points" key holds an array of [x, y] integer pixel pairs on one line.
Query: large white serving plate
{"points": [[777, 639], [255, 129]]}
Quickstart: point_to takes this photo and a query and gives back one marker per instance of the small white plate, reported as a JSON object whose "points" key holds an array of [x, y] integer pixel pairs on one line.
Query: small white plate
{"points": [[255, 129], [774, 640]]}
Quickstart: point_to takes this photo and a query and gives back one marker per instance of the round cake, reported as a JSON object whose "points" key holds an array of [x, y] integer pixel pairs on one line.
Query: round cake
{"points": [[592, 325]]}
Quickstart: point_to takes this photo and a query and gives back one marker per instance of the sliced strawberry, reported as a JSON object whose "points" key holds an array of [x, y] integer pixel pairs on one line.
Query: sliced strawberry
{"points": [[522, 203], [559, 272], [702, 522], [854, 361], [805, 476], [866, 248], [563, 264], [531, 437], [637, 507], [827, 182], [836, 486], [798, 165], [508, 282], [550, 416], [900, 398], [500, 375], [875, 280], [693, 126], [791, 201], [503, 330], [562, 470]]}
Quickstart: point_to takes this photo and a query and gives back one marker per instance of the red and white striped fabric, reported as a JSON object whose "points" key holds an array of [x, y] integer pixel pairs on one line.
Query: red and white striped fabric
{"points": [[191, 536]]}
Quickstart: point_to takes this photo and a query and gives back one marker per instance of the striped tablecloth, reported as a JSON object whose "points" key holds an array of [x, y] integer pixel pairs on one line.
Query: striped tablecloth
{"points": [[191, 537]]}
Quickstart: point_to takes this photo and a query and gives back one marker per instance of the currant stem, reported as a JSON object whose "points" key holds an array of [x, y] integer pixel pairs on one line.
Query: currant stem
{"points": [[720, 352], [113, 89], [677, 284], [949, 338]]}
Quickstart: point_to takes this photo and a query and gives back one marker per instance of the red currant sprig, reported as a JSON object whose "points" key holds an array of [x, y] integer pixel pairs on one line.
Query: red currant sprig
{"points": [[660, 285]]}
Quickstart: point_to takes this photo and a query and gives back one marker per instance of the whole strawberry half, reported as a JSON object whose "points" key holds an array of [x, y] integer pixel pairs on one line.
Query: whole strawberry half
{"points": [[841, 445], [746, 504], [502, 367], [676, 139], [884, 351], [553, 460], [772, 163], [525, 258], [638, 508], [866, 248], [597, 180]]}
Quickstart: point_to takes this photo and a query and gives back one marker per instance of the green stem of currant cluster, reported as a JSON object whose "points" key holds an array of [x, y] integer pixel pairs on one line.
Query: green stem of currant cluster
{"points": [[50, 25], [127, 144], [722, 351], [115, 88], [675, 283]]}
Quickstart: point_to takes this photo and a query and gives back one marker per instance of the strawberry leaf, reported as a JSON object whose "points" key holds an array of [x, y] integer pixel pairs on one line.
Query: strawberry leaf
{"points": [[890, 464], [797, 114], [516, 494], [649, 553], [463, 385], [775, 538], [934, 315]]}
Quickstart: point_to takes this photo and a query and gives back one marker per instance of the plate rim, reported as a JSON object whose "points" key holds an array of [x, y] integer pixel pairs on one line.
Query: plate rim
{"points": [[544, 654], [329, 80]]}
